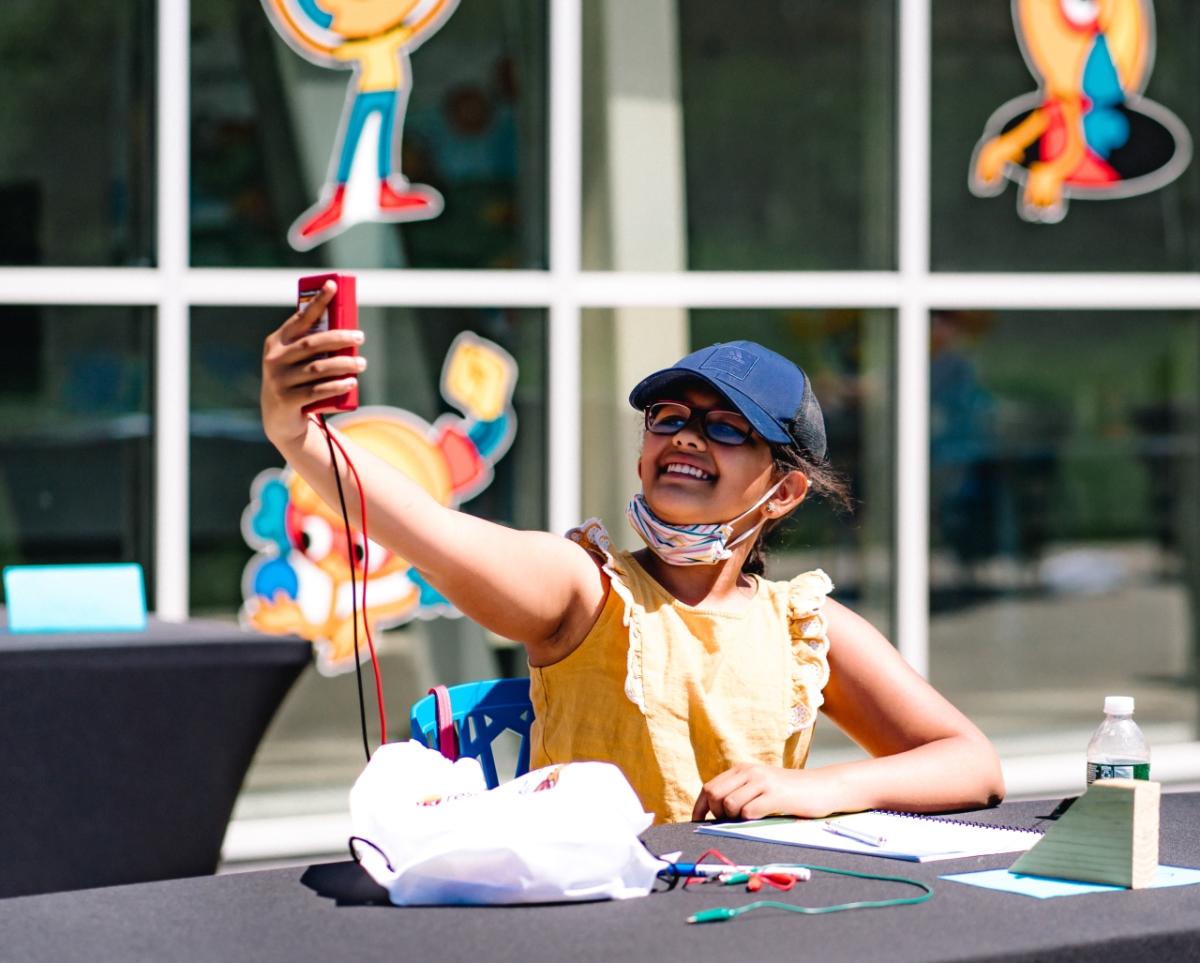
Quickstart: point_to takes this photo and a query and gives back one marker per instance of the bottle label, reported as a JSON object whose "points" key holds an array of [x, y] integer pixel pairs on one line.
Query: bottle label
{"points": [[1100, 770]]}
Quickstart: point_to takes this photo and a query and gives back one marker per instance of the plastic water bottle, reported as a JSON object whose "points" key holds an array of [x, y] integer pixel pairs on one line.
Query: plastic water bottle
{"points": [[1118, 750]]}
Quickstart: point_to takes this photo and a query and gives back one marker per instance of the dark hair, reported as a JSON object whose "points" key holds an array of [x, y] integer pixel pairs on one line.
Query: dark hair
{"points": [[824, 481]]}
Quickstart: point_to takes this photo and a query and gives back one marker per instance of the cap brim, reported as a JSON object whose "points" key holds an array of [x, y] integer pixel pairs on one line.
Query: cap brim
{"points": [[654, 385]]}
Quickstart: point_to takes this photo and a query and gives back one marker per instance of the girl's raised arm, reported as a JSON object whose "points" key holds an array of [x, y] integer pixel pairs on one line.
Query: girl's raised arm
{"points": [[532, 587]]}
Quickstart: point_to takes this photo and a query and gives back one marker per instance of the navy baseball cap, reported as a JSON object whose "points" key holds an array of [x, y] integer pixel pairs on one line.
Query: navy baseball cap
{"points": [[773, 394]]}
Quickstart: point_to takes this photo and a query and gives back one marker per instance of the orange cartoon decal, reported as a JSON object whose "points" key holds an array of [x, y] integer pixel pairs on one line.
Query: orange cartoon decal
{"points": [[298, 582], [373, 39], [1087, 132]]}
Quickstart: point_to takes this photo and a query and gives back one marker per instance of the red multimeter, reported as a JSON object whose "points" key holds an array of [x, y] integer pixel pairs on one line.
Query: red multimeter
{"points": [[341, 312]]}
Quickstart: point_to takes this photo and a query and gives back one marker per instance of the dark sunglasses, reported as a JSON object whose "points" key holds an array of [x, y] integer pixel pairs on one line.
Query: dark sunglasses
{"points": [[723, 427]]}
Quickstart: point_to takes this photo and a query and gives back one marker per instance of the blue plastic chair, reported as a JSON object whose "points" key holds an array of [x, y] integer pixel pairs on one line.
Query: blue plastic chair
{"points": [[481, 711]]}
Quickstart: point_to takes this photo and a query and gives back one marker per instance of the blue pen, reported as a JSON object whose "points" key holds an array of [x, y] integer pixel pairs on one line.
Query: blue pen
{"points": [[841, 829]]}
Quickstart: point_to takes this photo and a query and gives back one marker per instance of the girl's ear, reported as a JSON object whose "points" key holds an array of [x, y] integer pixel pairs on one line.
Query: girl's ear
{"points": [[791, 492]]}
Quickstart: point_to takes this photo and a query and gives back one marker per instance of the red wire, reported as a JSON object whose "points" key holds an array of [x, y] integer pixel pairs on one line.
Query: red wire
{"points": [[704, 855], [362, 502]]}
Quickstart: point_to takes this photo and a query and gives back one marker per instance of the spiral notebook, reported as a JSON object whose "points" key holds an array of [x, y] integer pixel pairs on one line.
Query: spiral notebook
{"points": [[918, 839]]}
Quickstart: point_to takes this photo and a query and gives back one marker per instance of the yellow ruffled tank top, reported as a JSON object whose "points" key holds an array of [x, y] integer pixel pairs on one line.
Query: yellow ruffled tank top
{"points": [[675, 694]]}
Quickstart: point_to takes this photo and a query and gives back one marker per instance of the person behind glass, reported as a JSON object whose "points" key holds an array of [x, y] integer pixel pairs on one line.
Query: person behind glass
{"points": [[679, 663]]}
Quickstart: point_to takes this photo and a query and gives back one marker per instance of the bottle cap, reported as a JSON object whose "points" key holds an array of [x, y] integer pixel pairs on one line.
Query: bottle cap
{"points": [[1118, 705]]}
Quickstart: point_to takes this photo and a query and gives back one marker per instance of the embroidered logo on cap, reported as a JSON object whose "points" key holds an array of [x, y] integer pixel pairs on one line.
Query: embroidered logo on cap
{"points": [[732, 360]]}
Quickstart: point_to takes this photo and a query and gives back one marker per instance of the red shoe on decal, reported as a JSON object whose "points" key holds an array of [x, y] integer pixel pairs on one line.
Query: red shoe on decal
{"points": [[326, 219], [415, 202]]}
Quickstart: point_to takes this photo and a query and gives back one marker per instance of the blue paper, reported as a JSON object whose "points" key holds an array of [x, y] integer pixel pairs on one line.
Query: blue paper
{"points": [[75, 598], [1043, 887]]}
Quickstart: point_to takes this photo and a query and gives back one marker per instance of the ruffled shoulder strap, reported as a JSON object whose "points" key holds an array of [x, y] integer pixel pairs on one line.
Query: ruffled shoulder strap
{"points": [[593, 537], [810, 645]]}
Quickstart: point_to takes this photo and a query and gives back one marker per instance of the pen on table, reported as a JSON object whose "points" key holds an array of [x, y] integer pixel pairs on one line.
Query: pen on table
{"points": [[720, 869], [841, 829]]}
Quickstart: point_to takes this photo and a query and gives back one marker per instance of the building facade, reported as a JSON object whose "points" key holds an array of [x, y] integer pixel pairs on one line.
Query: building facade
{"points": [[1012, 387]]}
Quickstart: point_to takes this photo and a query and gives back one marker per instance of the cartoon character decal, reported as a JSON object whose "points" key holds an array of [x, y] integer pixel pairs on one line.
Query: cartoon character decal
{"points": [[1087, 132], [372, 38], [298, 582]]}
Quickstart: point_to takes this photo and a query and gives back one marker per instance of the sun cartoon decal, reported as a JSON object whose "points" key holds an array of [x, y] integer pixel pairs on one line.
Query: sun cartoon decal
{"points": [[298, 582], [1087, 132]]}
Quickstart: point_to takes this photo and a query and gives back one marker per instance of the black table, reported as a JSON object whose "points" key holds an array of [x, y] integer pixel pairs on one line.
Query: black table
{"points": [[121, 754], [333, 912]]}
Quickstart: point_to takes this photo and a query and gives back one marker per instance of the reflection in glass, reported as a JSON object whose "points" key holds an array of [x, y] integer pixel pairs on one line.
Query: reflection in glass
{"points": [[745, 142], [76, 133], [977, 67], [265, 122], [75, 439], [227, 449], [1065, 460]]}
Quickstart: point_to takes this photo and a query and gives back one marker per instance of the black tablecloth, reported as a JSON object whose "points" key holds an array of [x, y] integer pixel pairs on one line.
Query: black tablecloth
{"points": [[332, 912], [122, 753]]}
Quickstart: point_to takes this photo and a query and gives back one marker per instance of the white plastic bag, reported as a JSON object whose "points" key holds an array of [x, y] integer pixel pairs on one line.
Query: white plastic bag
{"points": [[430, 832]]}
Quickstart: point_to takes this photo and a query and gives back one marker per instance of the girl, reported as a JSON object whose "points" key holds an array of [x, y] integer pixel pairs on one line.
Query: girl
{"points": [[679, 662]]}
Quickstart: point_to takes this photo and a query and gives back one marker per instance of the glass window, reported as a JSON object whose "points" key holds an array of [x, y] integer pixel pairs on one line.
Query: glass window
{"points": [[75, 440], [77, 133], [747, 142], [227, 448], [978, 72], [267, 124], [1065, 461], [848, 354], [313, 750]]}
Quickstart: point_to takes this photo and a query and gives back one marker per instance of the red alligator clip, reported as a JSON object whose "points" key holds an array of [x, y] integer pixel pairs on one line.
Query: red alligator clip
{"points": [[781, 881]]}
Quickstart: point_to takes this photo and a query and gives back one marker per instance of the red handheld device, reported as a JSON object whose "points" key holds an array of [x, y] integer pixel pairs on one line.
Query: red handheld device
{"points": [[341, 312]]}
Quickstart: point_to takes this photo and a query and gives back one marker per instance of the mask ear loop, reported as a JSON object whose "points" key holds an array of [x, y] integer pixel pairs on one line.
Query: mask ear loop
{"points": [[757, 525]]}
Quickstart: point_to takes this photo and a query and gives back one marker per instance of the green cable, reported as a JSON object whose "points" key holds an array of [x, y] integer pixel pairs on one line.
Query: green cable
{"points": [[719, 913]]}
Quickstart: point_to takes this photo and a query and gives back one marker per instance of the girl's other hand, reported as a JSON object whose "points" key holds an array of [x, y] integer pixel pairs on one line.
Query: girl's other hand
{"points": [[298, 368], [752, 790]]}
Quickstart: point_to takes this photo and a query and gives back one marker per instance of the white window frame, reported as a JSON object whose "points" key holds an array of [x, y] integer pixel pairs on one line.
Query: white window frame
{"points": [[565, 291]]}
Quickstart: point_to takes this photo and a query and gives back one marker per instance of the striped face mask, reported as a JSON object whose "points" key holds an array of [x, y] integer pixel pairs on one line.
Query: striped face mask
{"points": [[701, 544]]}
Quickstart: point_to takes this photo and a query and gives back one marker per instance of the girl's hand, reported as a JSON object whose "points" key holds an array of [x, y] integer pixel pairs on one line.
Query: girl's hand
{"points": [[298, 369], [752, 790]]}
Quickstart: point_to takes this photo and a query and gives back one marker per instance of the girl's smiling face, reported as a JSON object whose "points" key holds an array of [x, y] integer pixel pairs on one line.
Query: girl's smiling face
{"points": [[689, 479]]}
